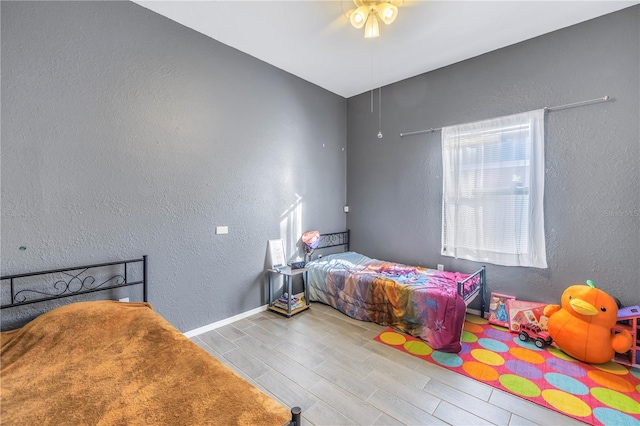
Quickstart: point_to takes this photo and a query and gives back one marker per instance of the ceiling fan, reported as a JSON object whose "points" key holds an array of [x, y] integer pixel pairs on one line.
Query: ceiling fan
{"points": [[369, 14]]}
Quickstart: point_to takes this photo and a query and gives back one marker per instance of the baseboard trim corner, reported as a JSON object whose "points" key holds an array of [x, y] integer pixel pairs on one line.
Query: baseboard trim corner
{"points": [[226, 321], [473, 311]]}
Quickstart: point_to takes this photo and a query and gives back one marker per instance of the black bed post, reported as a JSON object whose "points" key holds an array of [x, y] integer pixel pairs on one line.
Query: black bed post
{"points": [[295, 416], [484, 290], [144, 278], [348, 239]]}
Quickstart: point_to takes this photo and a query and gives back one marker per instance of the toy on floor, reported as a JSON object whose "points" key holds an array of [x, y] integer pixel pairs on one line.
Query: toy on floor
{"points": [[532, 332], [581, 327], [498, 309], [501, 313]]}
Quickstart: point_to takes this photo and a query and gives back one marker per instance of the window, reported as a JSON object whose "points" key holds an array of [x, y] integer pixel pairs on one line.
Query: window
{"points": [[493, 187]]}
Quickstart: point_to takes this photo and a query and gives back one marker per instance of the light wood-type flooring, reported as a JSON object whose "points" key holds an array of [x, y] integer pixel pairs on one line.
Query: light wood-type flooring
{"points": [[329, 365]]}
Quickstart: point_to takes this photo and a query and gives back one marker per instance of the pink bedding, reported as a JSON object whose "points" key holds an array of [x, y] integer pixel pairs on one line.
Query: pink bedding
{"points": [[418, 301]]}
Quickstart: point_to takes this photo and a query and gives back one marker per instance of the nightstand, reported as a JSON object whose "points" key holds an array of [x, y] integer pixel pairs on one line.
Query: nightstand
{"points": [[287, 273]]}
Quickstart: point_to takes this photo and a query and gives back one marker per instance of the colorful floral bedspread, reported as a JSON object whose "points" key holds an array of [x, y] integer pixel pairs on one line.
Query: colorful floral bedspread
{"points": [[419, 301]]}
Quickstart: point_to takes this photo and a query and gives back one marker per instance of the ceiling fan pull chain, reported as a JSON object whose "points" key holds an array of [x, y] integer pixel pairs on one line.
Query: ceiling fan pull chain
{"points": [[380, 112]]}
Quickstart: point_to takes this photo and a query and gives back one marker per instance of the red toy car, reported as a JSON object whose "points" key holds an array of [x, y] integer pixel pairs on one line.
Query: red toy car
{"points": [[540, 338]]}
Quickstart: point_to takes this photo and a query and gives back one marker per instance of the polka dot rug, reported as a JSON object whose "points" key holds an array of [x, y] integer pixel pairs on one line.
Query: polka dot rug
{"points": [[606, 394]]}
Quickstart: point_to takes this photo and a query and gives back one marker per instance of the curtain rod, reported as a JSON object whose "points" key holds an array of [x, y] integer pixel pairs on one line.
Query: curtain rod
{"points": [[546, 109]]}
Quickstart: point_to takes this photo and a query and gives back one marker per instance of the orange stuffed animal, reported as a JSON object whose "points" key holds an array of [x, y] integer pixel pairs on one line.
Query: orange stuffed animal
{"points": [[581, 327]]}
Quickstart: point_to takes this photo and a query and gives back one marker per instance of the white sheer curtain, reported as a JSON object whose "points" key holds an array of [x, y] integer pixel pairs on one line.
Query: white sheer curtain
{"points": [[493, 189]]}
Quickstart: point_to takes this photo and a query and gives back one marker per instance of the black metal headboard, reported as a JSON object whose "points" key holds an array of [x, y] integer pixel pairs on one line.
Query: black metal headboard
{"points": [[42, 286], [333, 239]]}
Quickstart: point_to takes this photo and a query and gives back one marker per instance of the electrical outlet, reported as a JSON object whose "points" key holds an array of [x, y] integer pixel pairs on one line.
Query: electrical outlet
{"points": [[126, 299], [440, 267], [221, 230]]}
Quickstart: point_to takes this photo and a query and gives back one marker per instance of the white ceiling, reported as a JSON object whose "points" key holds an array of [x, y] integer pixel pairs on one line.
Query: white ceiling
{"points": [[314, 40]]}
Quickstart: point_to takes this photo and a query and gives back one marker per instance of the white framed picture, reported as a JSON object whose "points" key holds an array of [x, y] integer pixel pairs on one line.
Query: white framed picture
{"points": [[276, 253]]}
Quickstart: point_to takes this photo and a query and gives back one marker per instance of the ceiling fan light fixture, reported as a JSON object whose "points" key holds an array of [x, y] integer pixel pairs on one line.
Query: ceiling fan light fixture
{"points": [[369, 13], [387, 12], [359, 16], [372, 27]]}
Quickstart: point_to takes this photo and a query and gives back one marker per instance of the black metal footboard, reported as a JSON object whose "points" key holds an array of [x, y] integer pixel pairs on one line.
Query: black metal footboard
{"points": [[481, 289]]}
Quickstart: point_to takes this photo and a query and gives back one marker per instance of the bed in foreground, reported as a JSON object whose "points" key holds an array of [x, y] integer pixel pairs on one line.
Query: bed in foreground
{"points": [[425, 303], [108, 362]]}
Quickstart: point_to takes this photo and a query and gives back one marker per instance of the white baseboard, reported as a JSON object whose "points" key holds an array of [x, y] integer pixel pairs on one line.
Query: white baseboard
{"points": [[226, 321], [243, 315]]}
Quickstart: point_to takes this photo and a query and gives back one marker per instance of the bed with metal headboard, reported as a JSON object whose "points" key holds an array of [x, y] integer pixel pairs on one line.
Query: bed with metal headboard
{"points": [[111, 362], [26, 295], [426, 303]]}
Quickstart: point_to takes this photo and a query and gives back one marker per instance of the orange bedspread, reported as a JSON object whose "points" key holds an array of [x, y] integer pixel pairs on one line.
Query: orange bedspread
{"points": [[103, 363]]}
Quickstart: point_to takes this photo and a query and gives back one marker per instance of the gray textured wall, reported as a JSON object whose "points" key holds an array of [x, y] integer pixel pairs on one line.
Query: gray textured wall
{"points": [[592, 194], [124, 133]]}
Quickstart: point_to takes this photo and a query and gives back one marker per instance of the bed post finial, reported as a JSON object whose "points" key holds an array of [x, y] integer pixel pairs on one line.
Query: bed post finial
{"points": [[295, 416]]}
